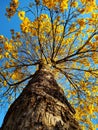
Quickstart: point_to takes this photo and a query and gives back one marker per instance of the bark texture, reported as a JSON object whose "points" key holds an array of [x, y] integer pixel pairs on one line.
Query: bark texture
{"points": [[41, 106]]}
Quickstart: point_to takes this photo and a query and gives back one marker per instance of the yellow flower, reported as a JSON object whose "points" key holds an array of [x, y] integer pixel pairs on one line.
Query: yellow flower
{"points": [[1, 37], [21, 15], [1, 56], [5, 83], [15, 1], [25, 26], [58, 18], [6, 54], [64, 5], [14, 76], [94, 57], [8, 46], [74, 4]]}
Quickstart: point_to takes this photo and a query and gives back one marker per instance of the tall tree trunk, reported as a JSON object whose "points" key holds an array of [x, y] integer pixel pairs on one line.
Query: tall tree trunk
{"points": [[41, 106]]}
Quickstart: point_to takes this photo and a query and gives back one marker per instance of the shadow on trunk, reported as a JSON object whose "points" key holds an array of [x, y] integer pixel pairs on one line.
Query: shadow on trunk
{"points": [[41, 106]]}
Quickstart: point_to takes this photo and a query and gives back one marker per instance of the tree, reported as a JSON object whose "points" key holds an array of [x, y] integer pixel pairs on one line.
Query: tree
{"points": [[63, 36], [41, 106]]}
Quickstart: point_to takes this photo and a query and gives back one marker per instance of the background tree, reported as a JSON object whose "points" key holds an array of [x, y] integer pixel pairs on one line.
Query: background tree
{"points": [[62, 35]]}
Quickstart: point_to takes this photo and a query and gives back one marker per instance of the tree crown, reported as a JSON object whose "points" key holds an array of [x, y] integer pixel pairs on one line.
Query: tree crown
{"points": [[60, 34]]}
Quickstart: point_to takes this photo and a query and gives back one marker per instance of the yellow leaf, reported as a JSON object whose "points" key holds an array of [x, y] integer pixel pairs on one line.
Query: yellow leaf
{"points": [[21, 15], [95, 58], [15, 75], [5, 83], [1, 37], [15, 1], [74, 4], [96, 125], [85, 62], [7, 55], [1, 56]]}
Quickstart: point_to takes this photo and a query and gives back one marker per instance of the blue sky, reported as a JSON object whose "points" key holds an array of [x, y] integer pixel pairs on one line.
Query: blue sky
{"points": [[5, 26]]}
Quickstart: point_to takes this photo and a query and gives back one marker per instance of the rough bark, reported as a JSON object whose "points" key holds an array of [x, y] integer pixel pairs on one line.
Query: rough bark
{"points": [[41, 106]]}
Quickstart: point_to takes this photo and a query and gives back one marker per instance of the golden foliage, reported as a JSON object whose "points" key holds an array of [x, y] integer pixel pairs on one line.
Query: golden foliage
{"points": [[12, 9]]}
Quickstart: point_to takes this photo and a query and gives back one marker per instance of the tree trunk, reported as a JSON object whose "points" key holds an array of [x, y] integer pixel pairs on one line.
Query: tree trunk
{"points": [[41, 106]]}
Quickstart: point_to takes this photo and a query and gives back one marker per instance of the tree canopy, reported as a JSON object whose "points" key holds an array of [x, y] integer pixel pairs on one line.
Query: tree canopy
{"points": [[63, 35]]}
